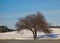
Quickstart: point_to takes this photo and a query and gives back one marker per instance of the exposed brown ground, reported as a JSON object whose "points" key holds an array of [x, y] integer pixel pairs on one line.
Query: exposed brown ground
{"points": [[29, 41]]}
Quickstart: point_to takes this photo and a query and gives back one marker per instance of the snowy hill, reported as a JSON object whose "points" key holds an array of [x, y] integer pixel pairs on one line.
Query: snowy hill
{"points": [[25, 34]]}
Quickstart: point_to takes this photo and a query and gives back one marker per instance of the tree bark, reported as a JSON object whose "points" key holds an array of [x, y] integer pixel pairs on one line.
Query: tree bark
{"points": [[35, 34]]}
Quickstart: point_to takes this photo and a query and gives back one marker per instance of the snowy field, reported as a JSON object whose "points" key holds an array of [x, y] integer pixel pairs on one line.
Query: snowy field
{"points": [[26, 34]]}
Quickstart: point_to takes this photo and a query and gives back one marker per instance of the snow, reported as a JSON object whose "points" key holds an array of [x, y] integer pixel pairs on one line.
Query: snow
{"points": [[25, 34]]}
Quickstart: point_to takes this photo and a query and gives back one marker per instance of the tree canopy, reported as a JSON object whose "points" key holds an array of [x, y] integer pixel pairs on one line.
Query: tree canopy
{"points": [[34, 23]]}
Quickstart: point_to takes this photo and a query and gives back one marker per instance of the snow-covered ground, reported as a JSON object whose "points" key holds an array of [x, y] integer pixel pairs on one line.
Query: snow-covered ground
{"points": [[25, 34]]}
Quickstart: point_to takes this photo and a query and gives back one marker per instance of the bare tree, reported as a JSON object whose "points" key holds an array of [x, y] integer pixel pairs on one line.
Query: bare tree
{"points": [[34, 23], [5, 29]]}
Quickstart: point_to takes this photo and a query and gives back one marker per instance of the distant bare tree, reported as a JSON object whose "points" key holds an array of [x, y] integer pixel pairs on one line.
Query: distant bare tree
{"points": [[5, 29], [34, 23]]}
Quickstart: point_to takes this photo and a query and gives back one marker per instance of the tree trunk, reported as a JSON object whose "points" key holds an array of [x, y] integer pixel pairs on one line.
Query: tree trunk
{"points": [[34, 34]]}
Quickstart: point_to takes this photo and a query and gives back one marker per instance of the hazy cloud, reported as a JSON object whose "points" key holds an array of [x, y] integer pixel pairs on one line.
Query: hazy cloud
{"points": [[52, 12], [19, 15]]}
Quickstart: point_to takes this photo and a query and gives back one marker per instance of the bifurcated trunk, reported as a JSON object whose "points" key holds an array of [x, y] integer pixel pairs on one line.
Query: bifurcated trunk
{"points": [[35, 34]]}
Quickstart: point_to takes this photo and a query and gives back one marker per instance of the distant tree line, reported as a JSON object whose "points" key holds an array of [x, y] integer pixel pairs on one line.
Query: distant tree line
{"points": [[54, 26], [5, 29]]}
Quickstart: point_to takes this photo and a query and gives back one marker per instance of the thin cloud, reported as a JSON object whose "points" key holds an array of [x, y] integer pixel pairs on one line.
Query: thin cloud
{"points": [[44, 12], [52, 12], [16, 15]]}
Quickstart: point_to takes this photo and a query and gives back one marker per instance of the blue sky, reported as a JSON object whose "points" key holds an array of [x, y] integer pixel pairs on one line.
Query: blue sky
{"points": [[11, 10]]}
